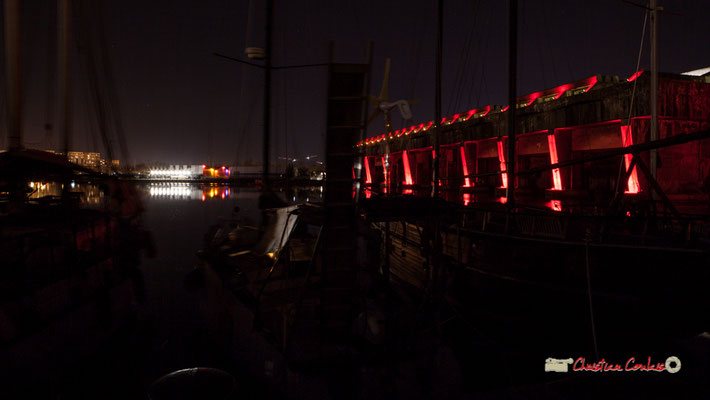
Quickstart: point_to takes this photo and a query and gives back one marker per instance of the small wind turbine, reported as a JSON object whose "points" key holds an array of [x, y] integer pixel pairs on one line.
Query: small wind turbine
{"points": [[383, 106]]}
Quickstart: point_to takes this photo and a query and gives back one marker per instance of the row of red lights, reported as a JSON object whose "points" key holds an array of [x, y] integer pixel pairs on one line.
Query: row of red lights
{"points": [[626, 139], [524, 101]]}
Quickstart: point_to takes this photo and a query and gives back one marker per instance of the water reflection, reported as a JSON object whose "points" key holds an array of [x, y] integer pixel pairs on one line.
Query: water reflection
{"points": [[89, 194], [208, 192]]}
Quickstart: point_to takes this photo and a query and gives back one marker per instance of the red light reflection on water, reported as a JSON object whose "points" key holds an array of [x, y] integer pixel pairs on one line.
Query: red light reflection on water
{"points": [[220, 192]]}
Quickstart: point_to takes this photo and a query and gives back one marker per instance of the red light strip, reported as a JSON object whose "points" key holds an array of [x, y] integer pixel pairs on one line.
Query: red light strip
{"points": [[586, 84], [407, 171], [556, 178], [635, 75], [485, 110], [467, 180], [626, 141], [368, 176], [384, 170], [501, 158]]}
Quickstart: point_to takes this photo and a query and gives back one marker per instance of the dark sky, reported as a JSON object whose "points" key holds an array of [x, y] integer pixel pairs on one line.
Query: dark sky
{"points": [[181, 104]]}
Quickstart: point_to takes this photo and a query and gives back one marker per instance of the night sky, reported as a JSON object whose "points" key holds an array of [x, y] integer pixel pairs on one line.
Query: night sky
{"points": [[181, 104]]}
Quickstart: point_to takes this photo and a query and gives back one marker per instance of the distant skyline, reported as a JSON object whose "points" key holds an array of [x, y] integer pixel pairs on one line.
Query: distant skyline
{"points": [[182, 105]]}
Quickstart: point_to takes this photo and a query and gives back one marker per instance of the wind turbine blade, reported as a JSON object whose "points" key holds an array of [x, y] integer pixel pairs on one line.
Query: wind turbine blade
{"points": [[374, 115], [385, 80]]}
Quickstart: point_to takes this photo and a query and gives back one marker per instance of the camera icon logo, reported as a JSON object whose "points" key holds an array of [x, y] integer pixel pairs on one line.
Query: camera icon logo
{"points": [[557, 364]]}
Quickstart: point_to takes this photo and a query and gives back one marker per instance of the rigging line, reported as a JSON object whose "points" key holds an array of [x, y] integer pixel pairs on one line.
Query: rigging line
{"points": [[458, 77], [113, 106], [243, 117], [638, 63], [540, 56], [548, 41], [520, 73], [633, 93], [483, 48], [216, 31], [460, 71], [284, 100], [50, 104], [92, 73], [464, 66], [475, 58]]}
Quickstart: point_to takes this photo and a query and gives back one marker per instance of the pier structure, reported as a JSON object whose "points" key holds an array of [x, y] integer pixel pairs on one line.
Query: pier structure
{"points": [[554, 126]]}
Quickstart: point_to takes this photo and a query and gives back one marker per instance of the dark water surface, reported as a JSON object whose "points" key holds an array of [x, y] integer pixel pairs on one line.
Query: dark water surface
{"points": [[170, 332]]}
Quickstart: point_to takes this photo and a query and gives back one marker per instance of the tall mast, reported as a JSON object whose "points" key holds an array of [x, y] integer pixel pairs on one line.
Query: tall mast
{"points": [[512, 98], [64, 38], [653, 165], [13, 74], [437, 105], [267, 88]]}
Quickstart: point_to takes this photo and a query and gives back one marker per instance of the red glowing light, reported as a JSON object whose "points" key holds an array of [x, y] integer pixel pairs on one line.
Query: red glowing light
{"points": [[501, 158], [485, 110], [466, 199], [368, 176], [407, 170], [626, 141], [556, 178], [467, 181], [531, 98], [502, 200], [505, 108], [635, 76], [407, 191], [384, 172], [554, 205], [203, 197], [557, 92]]}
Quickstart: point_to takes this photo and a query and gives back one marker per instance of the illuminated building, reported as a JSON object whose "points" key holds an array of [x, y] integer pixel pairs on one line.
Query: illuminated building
{"points": [[86, 159], [177, 172]]}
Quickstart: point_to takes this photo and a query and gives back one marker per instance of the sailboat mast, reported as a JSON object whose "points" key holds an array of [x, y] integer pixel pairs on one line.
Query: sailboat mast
{"points": [[512, 98], [13, 77], [437, 105], [267, 89], [64, 39], [653, 163]]}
